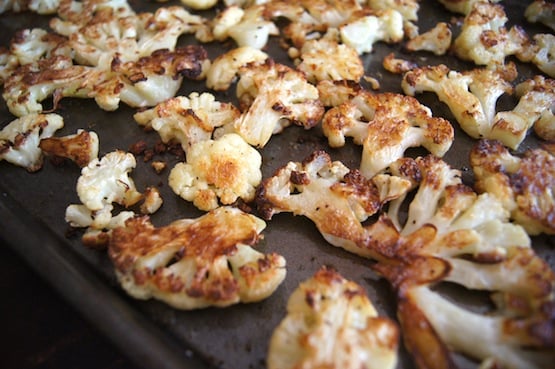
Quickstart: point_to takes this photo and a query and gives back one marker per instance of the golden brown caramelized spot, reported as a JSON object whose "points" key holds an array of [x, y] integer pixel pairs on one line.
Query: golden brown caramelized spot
{"points": [[78, 148]]}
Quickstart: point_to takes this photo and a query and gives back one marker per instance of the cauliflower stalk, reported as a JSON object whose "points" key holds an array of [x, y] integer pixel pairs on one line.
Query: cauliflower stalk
{"points": [[196, 263], [20, 139], [218, 171]]}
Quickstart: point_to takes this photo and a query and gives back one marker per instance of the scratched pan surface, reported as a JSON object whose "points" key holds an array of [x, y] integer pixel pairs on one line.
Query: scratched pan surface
{"points": [[32, 211]]}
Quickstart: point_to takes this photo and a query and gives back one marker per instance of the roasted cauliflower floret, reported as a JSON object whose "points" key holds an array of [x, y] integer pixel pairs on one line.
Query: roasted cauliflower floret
{"points": [[541, 11], [225, 67], [362, 33], [437, 40], [332, 323], [218, 171], [188, 120], [327, 60], [20, 139], [335, 93], [525, 185], [102, 183], [334, 197], [196, 263], [386, 125], [541, 52], [472, 96], [199, 4], [81, 147], [274, 96], [485, 40], [462, 6]]}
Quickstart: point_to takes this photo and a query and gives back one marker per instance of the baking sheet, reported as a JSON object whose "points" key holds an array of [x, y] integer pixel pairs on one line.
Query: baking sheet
{"points": [[32, 208]]}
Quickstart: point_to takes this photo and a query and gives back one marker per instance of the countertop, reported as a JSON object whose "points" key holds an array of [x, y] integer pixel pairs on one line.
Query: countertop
{"points": [[41, 330]]}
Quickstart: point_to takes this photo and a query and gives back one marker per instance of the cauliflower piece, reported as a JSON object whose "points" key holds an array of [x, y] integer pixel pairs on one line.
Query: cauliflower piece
{"points": [[326, 59], [462, 6], [81, 147], [541, 11], [44, 6], [20, 139], [225, 67], [152, 200], [225, 169], [251, 30], [332, 323], [536, 99], [362, 33], [484, 39], [407, 8], [545, 126], [196, 263], [188, 120], [145, 82], [437, 40], [335, 198], [335, 93], [107, 36], [524, 185], [14, 5], [471, 96], [396, 65], [541, 52], [80, 13], [386, 125], [276, 96], [224, 21], [105, 181], [454, 235]]}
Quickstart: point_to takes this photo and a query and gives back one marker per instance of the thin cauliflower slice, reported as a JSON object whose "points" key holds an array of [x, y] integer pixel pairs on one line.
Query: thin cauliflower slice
{"points": [[536, 101], [471, 96], [525, 185], [386, 125], [81, 147], [336, 199], [485, 40], [332, 323], [275, 96], [188, 120], [436, 40], [328, 60], [218, 171], [107, 35], [362, 33], [454, 235], [20, 139], [541, 11], [143, 83], [225, 67], [196, 263]]}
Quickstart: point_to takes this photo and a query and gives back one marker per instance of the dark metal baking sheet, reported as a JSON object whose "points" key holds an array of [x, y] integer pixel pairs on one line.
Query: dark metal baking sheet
{"points": [[32, 210]]}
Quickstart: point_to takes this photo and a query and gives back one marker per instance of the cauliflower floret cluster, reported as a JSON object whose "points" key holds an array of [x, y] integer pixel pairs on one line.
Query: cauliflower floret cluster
{"points": [[196, 263], [329, 311], [386, 125], [20, 139], [485, 40], [218, 171], [525, 185], [275, 96]]}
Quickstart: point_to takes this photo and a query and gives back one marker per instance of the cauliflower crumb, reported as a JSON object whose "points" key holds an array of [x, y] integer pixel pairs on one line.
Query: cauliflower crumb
{"points": [[218, 171], [20, 139]]}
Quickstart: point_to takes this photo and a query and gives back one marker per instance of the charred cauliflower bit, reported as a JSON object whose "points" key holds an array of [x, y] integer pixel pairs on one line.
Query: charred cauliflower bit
{"points": [[332, 323], [103, 182], [472, 96], [541, 11], [362, 33], [327, 60], [437, 40], [196, 263], [525, 185], [275, 96], [188, 120], [225, 169], [80, 148], [20, 139], [386, 125], [452, 234], [225, 67], [484, 39], [335, 198]]}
